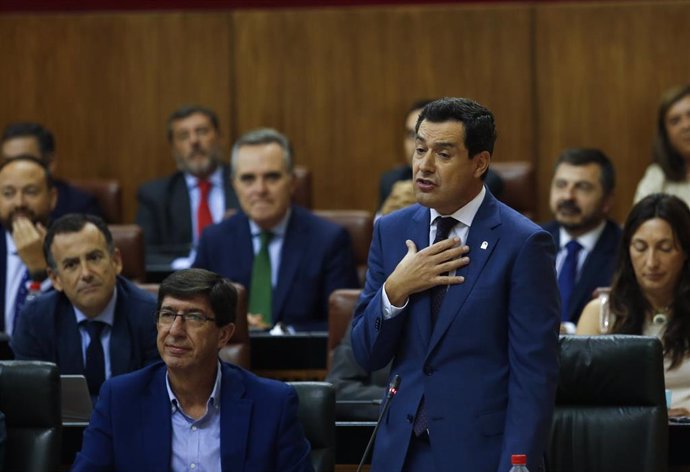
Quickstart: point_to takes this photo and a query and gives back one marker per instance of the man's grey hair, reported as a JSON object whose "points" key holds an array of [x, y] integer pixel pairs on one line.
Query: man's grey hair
{"points": [[263, 136]]}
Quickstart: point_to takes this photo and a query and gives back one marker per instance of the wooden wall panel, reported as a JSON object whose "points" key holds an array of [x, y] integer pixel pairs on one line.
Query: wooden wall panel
{"points": [[600, 70], [106, 83], [338, 83]]}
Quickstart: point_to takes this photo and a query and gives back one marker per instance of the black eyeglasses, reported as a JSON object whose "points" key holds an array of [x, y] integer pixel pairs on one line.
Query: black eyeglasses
{"points": [[192, 318]]}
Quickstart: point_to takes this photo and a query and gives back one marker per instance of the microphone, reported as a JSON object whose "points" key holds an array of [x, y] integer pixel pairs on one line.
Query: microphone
{"points": [[392, 391]]}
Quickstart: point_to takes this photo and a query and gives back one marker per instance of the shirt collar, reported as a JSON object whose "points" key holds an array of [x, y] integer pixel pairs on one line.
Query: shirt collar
{"points": [[11, 248], [213, 399], [107, 316], [216, 178], [587, 240], [277, 230], [466, 214]]}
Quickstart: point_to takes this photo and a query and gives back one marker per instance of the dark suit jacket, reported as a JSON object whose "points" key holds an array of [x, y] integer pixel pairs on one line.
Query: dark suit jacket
{"points": [[131, 427], [488, 367], [316, 259], [493, 181], [47, 331], [597, 269], [164, 212], [353, 383], [3, 275], [70, 199]]}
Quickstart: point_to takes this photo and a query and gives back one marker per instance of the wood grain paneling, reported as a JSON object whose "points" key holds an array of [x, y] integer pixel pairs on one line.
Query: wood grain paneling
{"points": [[338, 83], [600, 70], [106, 83]]}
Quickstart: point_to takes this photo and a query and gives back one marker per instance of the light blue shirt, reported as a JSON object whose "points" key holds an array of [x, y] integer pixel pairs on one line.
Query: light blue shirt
{"points": [[216, 198], [275, 247], [107, 316], [196, 443]]}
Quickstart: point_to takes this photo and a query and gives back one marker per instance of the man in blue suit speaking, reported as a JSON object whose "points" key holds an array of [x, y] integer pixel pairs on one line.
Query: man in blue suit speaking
{"points": [[194, 412], [470, 322]]}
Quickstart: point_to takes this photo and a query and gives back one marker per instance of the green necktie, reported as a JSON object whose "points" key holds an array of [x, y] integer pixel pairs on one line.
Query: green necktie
{"points": [[260, 291]]}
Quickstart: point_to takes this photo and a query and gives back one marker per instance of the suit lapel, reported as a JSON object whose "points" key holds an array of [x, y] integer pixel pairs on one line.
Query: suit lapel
{"points": [[418, 232], [295, 247], [482, 240], [230, 196], [235, 419], [241, 257], [69, 354], [120, 339], [3, 273], [180, 209], [155, 423]]}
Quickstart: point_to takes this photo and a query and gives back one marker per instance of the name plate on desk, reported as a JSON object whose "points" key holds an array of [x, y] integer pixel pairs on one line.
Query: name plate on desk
{"points": [[276, 355]]}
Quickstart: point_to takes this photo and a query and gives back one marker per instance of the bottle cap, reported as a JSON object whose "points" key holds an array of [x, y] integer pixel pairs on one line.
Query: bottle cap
{"points": [[518, 459]]}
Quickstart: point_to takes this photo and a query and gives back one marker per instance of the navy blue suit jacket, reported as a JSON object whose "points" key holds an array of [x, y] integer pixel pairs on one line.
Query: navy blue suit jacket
{"points": [[488, 367], [47, 331], [596, 271], [70, 199], [164, 212], [3, 274], [316, 259], [131, 427]]}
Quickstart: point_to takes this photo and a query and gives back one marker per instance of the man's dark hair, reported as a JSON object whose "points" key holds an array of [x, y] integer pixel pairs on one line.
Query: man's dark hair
{"points": [[73, 223], [45, 139], [584, 156], [30, 158], [189, 283], [188, 110], [478, 121]]}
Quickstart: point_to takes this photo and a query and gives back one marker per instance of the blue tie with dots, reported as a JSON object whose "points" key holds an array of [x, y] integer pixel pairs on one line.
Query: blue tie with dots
{"points": [[568, 275]]}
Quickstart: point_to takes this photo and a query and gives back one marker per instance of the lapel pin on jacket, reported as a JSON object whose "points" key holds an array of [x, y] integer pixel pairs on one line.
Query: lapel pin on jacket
{"points": [[484, 245]]}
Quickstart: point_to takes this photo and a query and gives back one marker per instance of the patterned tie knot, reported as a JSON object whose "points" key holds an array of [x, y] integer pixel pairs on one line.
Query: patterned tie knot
{"points": [[573, 247], [443, 226], [204, 187]]}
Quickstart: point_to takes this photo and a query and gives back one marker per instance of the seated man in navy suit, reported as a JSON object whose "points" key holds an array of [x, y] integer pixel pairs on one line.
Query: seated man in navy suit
{"points": [[27, 197], [95, 323], [34, 140], [173, 210], [194, 412], [581, 198], [289, 259]]}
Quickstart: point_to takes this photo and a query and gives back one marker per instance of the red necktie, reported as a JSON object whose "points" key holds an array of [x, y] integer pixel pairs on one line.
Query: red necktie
{"points": [[203, 212]]}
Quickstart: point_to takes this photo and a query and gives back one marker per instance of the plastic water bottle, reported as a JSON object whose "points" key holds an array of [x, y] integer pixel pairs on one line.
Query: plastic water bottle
{"points": [[519, 462]]}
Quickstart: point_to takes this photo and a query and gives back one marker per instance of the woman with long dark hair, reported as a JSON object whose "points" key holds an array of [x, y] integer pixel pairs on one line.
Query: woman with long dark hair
{"points": [[670, 171], [650, 292]]}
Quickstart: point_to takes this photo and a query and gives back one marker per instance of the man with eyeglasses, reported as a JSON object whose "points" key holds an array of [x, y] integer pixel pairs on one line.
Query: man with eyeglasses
{"points": [[96, 323], [194, 412]]}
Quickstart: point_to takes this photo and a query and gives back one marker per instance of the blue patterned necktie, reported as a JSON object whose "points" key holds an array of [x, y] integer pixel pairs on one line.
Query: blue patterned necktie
{"points": [[568, 275], [94, 368], [438, 293], [22, 293]]}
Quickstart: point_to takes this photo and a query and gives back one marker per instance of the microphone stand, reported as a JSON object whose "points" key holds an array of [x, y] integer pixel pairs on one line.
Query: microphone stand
{"points": [[392, 390]]}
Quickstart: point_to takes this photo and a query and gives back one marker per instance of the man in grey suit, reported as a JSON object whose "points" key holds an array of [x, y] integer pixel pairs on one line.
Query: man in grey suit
{"points": [[173, 210]]}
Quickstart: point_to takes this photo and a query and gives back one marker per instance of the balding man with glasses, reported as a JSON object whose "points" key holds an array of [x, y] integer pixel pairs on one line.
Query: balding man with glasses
{"points": [[194, 412]]}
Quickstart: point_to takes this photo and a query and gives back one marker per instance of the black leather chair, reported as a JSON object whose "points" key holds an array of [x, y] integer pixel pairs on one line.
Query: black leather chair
{"points": [[30, 400], [610, 407], [317, 415]]}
